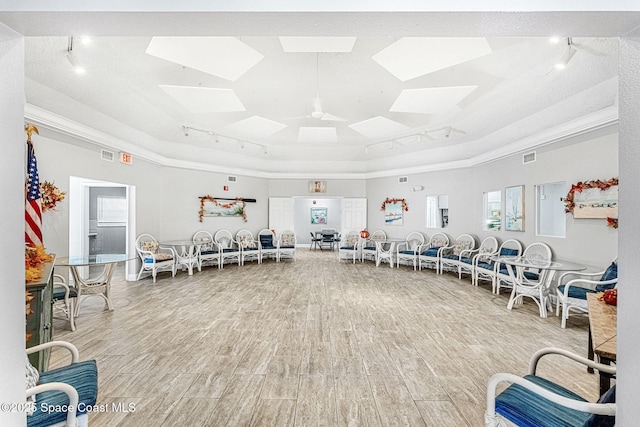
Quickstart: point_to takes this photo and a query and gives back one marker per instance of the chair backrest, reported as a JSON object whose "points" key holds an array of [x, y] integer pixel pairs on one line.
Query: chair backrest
{"points": [[464, 242], [510, 247], [245, 239], [377, 236], [438, 240], [267, 238], [538, 251], [351, 239], [414, 239], [205, 240], [488, 246], [146, 243], [224, 238], [287, 238]]}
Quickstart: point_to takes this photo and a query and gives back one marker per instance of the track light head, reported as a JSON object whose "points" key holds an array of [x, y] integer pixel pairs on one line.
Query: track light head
{"points": [[562, 63], [447, 132], [185, 129]]}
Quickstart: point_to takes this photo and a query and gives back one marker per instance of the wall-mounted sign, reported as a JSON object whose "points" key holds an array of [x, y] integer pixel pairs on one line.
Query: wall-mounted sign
{"points": [[126, 158]]}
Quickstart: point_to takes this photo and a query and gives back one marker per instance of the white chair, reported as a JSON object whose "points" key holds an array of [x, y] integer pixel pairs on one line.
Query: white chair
{"points": [[429, 254], [488, 246], [350, 246], [536, 401], [485, 268], [407, 251], [267, 244], [207, 249], [64, 299], [287, 245], [249, 247], [369, 248], [155, 258], [452, 256], [530, 281], [573, 287], [229, 249]]}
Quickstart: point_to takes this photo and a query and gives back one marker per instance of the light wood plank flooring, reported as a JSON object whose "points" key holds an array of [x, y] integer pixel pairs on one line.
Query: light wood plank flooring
{"points": [[311, 342]]}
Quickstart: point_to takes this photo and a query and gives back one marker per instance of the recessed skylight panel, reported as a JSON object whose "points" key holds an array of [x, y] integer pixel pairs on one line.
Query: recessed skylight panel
{"points": [[432, 100], [378, 127], [257, 126], [225, 57], [411, 57], [204, 99], [317, 44], [317, 134]]}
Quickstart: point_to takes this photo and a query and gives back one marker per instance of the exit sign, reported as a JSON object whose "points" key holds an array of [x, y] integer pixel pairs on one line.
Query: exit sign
{"points": [[126, 158]]}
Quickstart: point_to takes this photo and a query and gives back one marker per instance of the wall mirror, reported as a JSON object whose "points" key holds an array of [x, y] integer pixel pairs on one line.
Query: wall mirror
{"points": [[550, 215], [492, 211], [437, 211]]}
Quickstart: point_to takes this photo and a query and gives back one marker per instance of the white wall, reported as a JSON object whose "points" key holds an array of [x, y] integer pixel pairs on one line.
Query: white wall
{"points": [[12, 165], [300, 187], [589, 241], [302, 216]]}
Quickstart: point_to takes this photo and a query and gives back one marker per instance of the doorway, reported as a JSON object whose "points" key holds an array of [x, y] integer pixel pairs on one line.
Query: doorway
{"points": [[101, 218]]}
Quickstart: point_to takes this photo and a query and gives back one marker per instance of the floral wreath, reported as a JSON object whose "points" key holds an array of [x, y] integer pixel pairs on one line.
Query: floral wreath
{"points": [[602, 185], [404, 204], [224, 205], [50, 196]]}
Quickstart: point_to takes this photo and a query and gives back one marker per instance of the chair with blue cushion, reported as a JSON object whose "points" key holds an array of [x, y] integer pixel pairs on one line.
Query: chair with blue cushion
{"points": [[573, 288], [267, 244], [287, 245], [64, 300], [249, 247], [529, 282], [71, 386], [369, 248], [488, 246], [452, 256], [429, 254], [485, 268], [207, 249], [229, 249], [535, 401], [155, 258], [350, 246], [407, 251]]}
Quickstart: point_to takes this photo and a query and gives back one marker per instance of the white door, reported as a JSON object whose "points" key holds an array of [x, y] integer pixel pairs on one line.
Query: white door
{"points": [[354, 215], [280, 214]]}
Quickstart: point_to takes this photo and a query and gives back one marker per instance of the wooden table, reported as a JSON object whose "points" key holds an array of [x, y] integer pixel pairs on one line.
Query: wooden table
{"points": [[602, 335]]}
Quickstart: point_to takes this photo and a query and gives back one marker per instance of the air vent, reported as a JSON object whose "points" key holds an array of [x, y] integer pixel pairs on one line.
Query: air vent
{"points": [[529, 158], [403, 179], [107, 155], [231, 178]]}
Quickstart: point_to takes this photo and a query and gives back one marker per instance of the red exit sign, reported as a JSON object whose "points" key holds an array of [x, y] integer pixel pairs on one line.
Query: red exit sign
{"points": [[126, 158]]}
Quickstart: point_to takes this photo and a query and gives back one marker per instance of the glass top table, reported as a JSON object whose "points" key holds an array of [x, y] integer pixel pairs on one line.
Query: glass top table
{"points": [[97, 285], [186, 253]]}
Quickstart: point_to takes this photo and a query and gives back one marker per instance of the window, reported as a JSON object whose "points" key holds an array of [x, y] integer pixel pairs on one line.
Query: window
{"points": [[437, 214], [550, 216], [112, 211], [492, 211]]}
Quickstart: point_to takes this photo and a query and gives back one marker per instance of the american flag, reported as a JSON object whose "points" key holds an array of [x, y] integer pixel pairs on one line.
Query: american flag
{"points": [[33, 212]]}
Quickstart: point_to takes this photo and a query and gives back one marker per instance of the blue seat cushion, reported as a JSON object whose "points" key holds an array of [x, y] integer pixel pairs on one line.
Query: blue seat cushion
{"points": [[485, 265], [207, 252], [58, 292], [531, 275], [347, 248], [227, 250], [509, 252], [369, 248], [467, 260], [408, 252], [603, 420], [268, 247], [249, 249], [527, 409], [576, 291], [610, 273], [83, 376], [451, 256], [433, 252]]}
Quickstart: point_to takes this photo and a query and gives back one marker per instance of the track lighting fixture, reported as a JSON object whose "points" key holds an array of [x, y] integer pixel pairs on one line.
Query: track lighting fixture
{"points": [[185, 129], [568, 54], [79, 69], [216, 138]]}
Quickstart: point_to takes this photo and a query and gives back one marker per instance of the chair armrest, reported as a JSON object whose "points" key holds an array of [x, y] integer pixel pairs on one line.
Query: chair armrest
{"points": [[75, 354], [167, 249], [60, 281], [587, 284], [468, 253], [533, 363], [580, 275], [492, 420], [65, 388]]}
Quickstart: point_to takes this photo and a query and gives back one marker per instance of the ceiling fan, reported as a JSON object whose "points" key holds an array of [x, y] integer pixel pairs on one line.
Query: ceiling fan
{"points": [[318, 112]]}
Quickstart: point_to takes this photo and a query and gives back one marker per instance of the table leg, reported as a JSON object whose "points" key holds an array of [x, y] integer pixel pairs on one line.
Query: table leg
{"points": [[605, 378], [590, 354]]}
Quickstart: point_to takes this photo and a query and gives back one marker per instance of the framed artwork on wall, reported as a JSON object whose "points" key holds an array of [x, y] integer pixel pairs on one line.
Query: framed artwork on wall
{"points": [[318, 215], [514, 208], [317, 186], [393, 213]]}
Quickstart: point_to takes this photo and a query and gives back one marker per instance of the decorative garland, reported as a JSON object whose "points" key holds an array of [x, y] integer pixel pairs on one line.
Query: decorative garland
{"points": [[224, 205], [602, 185], [388, 200], [50, 195]]}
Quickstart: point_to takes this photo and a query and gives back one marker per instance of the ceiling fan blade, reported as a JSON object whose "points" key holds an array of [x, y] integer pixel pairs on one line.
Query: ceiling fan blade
{"points": [[331, 117], [299, 117], [588, 49]]}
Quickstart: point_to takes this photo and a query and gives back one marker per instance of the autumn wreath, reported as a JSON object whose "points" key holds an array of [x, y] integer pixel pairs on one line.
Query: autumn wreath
{"points": [[404, 204], [223, 205]]}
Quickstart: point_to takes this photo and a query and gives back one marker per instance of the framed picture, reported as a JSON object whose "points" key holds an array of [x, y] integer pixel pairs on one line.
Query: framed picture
{"points": [[596, 203], [317, 186], [213, 208], [514, 208], [318, 215], [393, 213]]}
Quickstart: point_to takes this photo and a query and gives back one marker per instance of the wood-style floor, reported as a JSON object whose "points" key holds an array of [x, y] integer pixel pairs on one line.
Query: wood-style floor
{"points": [[311, 342]]}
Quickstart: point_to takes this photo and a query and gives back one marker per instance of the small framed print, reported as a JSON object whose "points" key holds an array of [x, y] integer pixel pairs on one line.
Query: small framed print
{"points": [[317, 186]]}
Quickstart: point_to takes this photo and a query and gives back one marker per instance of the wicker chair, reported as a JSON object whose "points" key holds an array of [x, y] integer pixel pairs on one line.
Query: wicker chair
{"points": [[485, 268], [369, 248], [287, 245], [64, 299], [488, 246], [155, 258], [350, 247], [529, 281], [429, 254], [249, 247], [452, 256], [268, 244], [207, 249], [229, 249], [407, 251]]}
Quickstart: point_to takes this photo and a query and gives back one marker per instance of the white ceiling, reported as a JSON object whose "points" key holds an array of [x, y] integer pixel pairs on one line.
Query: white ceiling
{"points": [[509, 94]]}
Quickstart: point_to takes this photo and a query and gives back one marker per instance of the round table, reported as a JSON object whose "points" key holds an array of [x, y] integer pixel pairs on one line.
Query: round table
{"points": [[98, 285], [383, 254], [186, 253]]}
